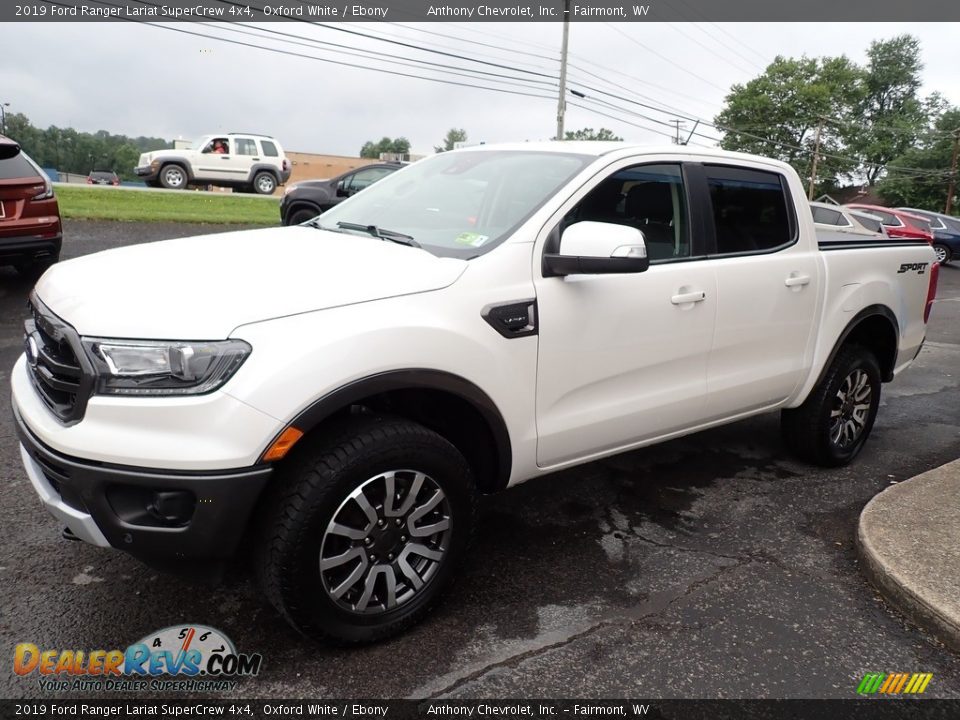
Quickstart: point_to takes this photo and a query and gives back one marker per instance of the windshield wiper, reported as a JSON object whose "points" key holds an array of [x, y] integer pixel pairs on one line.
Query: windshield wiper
{"points": [[381, 233]]}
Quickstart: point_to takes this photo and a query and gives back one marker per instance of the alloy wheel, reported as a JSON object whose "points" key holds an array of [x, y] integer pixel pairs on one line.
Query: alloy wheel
{"points": [[851, 408], [385, 542]]}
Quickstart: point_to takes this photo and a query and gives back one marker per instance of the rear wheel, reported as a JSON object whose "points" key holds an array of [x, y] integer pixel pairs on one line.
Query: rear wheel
{"points": [[943, 253], [362, 534], [264, 183], [832, 425]]}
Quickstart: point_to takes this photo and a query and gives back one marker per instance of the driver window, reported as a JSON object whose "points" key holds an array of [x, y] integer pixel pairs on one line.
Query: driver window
{"points": [[648, 197]]}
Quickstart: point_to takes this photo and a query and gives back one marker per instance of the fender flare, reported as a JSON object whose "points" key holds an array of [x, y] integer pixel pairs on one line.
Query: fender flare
{"points": [[865, 314], [412, 379], [261, 167], [178, 160]]}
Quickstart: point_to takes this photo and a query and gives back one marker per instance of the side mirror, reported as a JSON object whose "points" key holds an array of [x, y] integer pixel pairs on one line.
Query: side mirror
{"points": [[341, 190], [594, 248]]}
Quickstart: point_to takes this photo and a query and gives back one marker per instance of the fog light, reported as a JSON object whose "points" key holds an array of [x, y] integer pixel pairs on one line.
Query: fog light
{"points": [[173, 507]]}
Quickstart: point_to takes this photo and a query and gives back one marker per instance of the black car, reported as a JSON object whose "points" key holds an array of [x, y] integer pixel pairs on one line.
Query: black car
{"points": [[103, 177], [307, 199]]}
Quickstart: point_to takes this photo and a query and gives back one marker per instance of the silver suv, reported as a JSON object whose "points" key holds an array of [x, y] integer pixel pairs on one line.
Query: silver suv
{"points": [[242, 161]]}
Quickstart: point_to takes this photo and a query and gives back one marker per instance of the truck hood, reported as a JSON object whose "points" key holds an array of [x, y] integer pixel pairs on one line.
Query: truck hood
{"points": [[201, 288]]}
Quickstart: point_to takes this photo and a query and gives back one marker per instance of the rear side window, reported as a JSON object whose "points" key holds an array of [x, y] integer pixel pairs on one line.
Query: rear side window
{"points": [[885, 217], [269, 148], [245, 146], [751, 210], [17, 167], [825, 216]]}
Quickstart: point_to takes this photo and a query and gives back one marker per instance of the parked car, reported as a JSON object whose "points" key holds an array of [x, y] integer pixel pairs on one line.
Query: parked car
{"points": [[899, 224], [946, 233], [243, 161], [100, 177], [484, 317], [30, 229], [309, 198], [844, 220]]}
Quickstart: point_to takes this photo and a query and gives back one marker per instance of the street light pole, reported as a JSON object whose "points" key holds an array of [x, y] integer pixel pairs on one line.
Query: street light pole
{"points": [[562, 100]]}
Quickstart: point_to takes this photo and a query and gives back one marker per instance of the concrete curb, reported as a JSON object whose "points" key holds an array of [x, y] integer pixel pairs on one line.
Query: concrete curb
{"points": [[908, 541]]}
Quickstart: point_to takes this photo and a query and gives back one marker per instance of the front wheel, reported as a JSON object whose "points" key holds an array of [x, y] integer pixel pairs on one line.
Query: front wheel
{"points": [[943, 253], [834, 422], [264, 183], [173, 177], [363, 533], [298, 217]]}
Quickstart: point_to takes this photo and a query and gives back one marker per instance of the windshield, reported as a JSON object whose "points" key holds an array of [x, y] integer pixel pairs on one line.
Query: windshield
{"points": [[458, 204], [199, 143]]}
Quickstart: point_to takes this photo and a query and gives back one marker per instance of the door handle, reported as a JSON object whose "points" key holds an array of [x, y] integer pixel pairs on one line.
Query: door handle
{"points": [[689, 297], [255, 159], [797, 280], [224, 157]]}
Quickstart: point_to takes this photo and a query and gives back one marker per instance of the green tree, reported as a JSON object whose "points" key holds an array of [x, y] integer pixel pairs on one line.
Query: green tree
{"points": [[591, 134], [890, 115], [370, 149], [453, 136], [919, 177], [777, 114]]}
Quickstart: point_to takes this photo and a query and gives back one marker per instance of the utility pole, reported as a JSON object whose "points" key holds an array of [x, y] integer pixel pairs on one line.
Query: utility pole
{"points": [[676, 136], [952, 188], [816, 158], [562, 100], [3, 118]]}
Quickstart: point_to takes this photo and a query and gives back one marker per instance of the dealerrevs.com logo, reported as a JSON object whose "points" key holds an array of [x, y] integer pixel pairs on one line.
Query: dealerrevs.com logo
{"points": [[190, 658]]}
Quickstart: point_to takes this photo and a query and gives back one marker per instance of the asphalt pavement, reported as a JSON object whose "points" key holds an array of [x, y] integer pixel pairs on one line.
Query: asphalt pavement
{"points": [[708, 567]]}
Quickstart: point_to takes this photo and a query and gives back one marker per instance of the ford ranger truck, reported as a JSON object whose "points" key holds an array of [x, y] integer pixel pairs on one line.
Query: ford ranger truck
{"points": [[331, 398]]}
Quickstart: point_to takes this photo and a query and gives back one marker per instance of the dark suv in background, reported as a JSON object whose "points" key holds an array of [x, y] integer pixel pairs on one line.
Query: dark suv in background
{"points": [[946, 233], [307, 199], [30, 230]]}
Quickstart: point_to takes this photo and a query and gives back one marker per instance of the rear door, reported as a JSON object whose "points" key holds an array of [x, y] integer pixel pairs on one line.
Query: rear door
{"points": [[244, 153], [769, 289], [20, 181]]}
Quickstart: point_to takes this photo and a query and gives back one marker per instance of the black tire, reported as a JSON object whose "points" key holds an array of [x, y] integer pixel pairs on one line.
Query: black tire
{"points": [[318, 485], [33, 269], [174, 177], [264, 183], [944, 256], [152, 183], [301, 215], [813, 433]]}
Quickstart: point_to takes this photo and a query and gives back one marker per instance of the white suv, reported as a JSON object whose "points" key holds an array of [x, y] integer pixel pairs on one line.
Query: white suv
{"points": [[245, 162]]}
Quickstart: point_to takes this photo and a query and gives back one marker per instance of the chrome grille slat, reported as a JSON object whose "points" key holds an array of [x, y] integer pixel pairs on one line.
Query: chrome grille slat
{"points": [[60, 373]]}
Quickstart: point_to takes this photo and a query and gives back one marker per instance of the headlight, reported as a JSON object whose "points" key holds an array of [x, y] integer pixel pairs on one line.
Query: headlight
{"points": [[146, 367]]}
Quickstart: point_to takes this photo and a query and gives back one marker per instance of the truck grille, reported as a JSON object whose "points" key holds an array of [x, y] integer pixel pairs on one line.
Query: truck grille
{"points": [[58, 368]]}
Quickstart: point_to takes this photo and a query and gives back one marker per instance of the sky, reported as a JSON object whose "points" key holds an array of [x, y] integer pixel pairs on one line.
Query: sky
{"points": [[135, 79]]}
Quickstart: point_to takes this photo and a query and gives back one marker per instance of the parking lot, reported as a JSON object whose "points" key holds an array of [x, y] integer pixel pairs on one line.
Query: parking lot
{"points": [[712, 566]]}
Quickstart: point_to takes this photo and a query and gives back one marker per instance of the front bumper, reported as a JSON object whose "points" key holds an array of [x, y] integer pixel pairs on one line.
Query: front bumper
{"points": [[110, 505], [147, 172]]}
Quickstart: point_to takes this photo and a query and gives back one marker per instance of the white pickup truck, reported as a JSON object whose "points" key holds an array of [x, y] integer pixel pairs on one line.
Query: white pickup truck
{"points": [[332, 397]]}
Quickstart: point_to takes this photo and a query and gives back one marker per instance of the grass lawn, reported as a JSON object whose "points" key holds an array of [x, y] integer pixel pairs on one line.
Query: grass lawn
{"points": [[140, 206]]}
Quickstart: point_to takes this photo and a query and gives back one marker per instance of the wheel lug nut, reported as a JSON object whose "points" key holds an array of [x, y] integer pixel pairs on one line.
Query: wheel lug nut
{"points": [[380, 522], [403, 538], [373, 558], [367, 541], [399, 522], [390, 556]]}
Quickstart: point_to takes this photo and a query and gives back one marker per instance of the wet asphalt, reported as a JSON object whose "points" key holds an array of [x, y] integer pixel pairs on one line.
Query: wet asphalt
{"points": [[709, 567]]}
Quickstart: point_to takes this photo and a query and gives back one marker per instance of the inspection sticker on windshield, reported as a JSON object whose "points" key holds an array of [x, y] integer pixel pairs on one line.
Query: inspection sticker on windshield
{"points": [[472, 239]]}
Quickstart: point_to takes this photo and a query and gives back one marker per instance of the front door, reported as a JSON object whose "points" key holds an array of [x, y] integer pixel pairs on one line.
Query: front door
{"points": [[623, 358]]}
